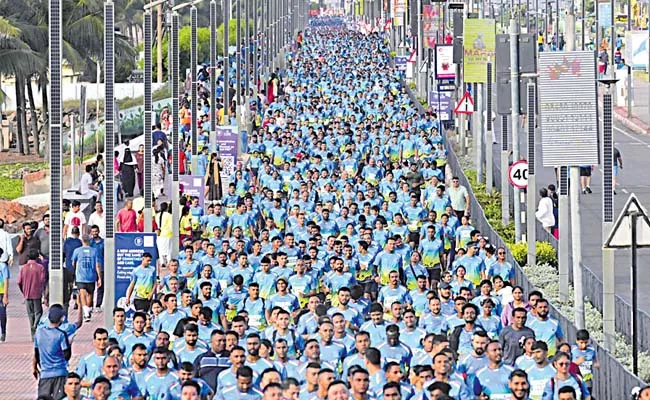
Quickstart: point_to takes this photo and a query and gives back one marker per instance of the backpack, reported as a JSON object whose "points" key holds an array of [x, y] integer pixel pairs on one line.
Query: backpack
{"points": [[293, 339]]}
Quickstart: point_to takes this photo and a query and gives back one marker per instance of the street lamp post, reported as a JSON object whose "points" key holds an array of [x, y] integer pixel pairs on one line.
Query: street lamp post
{"points": [[109, 144], [56, 151], [175, 196], [226, 61]]}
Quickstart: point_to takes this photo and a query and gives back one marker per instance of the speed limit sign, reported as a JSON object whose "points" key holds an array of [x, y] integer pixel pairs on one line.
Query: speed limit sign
{"points": [[518, 174]]}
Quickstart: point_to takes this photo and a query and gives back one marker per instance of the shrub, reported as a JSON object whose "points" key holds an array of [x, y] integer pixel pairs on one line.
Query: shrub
{"points": [[545, 253], [392, 54]]}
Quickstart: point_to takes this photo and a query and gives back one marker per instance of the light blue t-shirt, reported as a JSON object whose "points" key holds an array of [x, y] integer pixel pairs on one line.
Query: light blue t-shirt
{"points": [[86, 271]]}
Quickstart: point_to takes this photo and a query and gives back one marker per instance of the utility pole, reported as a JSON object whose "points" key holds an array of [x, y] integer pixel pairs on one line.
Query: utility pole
{"points": [[514, 93], [609, 275], [563, 225], [174, 70], [531, 221], [489, 156], [109, 145], [55, 37], [226, 62], [505, 186], [630, 90], [148, 114], [576, 229]]}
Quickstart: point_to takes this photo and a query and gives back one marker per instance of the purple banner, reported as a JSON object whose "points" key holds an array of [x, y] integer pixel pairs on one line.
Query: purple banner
{"points": [[193, 186], [228, 150], [440, 102]]}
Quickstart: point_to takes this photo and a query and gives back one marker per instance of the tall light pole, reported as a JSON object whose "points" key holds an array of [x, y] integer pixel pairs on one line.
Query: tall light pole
{"points": [[226, 61], [109, 145], [174, 70], [213, 67], [148, 114], [56, 151]]}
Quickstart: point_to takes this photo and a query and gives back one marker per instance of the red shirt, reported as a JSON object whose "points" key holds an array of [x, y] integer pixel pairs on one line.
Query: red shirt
{"points": [[127, 220], [31, 280]]}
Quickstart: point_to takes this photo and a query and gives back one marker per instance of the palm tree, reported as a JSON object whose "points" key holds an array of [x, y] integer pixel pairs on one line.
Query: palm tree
{"points": [[24, 50]]}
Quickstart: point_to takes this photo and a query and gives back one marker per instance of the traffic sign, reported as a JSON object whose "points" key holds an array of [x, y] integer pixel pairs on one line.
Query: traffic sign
{"points": [[465, 105], [518, 174], [621, 235], [413, 56]]}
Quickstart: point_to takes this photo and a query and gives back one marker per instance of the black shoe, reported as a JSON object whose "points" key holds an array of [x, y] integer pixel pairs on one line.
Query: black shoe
{"points": [[614, 192], [3, 337], [584, 191], [589, 190]]}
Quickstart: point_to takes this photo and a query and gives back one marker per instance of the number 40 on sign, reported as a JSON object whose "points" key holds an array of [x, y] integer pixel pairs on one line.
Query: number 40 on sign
{"points": [[518, 174]]}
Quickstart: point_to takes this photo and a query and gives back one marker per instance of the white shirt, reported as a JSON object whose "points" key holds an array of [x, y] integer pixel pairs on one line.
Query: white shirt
{"points": [[544, 212], [86, 180], [78, 217], [6, 246], [100, 221]]}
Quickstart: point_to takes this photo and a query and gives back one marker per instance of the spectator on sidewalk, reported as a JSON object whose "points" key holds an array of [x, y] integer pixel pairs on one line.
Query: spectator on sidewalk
{"points": [[98, 218], [87, 273], [126, 218], [26, 242], [52, 351], [43, 234], [74, 217], [4, 294], [544, 213], [70, 244], [32, 283], [618, 165]]}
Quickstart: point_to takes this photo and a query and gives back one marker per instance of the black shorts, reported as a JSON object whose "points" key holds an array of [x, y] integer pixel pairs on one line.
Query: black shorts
{"points": [[52, 387], [585, 171], [87, 286]]}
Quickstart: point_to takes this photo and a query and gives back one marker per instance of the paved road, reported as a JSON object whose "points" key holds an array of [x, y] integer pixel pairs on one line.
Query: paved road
{"points": [[16, 353], [635, 150]]}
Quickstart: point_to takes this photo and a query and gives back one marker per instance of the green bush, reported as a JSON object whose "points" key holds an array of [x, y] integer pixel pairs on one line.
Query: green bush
{"points": [[10, 189], [544, 251]]}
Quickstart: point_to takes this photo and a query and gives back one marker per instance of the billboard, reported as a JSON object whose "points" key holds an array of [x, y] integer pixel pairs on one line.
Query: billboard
{"points": [[129, 248], [429, 28], [193, 186], [568, 108], [605, 15], [445, 67], [479, 44], [636, 49], [228, 149], [441, 103]]}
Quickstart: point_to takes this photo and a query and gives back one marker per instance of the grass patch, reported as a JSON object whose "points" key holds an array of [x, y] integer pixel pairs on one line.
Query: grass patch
{"points": [[10, 189], [11, 184]]}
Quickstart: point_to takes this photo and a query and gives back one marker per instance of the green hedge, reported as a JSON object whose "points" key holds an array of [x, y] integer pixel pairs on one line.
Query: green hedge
{"points": [[491, 204]]}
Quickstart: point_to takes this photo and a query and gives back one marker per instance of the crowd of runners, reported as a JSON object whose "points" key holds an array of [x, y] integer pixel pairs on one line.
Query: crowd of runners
{"points": [[339, 263]]}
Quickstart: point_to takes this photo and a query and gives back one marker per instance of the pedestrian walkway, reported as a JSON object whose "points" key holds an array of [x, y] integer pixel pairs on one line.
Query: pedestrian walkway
{"points": [[17, 352]]}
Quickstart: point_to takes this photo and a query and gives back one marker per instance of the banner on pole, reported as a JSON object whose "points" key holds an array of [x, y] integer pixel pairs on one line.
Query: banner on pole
{"points": [[193, 186], [440, 102], [479, 44], [568, 108], [129, 248], [445, 67], [228, 151], [429, 25], [605, 15], [636, 49]]}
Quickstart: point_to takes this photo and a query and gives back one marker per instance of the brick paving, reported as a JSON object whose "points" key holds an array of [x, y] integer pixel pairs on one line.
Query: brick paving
{"points": [[16, 353]]}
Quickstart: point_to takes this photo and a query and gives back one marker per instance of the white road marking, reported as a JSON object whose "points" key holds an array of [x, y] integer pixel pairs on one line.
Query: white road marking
{"points": [[625, 191]]}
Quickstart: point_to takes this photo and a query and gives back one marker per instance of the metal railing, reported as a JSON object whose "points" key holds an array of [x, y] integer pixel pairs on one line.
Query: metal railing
{"points": [[612, 379]]}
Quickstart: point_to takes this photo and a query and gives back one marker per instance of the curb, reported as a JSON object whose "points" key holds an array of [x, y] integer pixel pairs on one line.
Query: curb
{"points": [[634, 124]]}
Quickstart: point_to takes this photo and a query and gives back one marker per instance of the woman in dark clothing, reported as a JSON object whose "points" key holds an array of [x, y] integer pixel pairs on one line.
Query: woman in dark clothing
{"points": [[213, 189], [127, 169]]}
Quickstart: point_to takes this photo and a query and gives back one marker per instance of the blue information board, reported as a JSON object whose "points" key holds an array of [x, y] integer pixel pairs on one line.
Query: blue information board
{"points": [[129, 248]]}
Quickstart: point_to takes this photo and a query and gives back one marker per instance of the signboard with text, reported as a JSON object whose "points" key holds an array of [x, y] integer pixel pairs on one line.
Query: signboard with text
{"points": [[445, 67], [228, 149], [479, 44], [193, 186], [441, 103], [568, 108], [129, 248]]}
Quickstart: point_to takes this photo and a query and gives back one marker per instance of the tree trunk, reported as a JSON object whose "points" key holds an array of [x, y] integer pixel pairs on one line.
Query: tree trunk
{"points": [[34, 117], [23, 115], [19, 120], [46, 118]]}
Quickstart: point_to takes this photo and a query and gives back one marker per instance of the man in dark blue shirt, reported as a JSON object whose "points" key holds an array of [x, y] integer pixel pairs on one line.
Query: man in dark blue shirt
{"points": [[52, 351], [97, 243], [70, 244]]}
